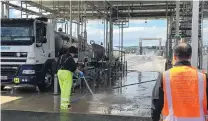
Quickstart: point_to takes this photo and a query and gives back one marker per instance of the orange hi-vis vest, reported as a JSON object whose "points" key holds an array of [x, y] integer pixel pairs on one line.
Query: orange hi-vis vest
{"points": [[173, 61], [184, 94]]}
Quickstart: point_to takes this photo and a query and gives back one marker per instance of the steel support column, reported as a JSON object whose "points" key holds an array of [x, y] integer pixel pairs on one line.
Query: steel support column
{"points": [[107, 39], [195, 31], [85, 25], [54, 24], [167, 30], [201, 38], [170, 42], [104, 38], [111, 39], [122, 43], [140, 46], [177, 20], [78, 28], [71, 22], [2, 10], [5, 10], [167, 39]]}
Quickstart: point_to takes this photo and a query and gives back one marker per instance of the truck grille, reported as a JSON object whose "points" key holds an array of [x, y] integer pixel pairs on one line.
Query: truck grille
{"points": [[13, 60], [9, 70], [8, 54], [12, 54]]}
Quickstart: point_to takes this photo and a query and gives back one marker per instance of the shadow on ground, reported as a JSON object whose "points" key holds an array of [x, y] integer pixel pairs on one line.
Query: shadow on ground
{"points": [[37, 116]]}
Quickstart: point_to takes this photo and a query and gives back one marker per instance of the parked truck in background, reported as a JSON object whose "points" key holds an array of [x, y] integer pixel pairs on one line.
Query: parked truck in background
{"points": [[29, 48]]}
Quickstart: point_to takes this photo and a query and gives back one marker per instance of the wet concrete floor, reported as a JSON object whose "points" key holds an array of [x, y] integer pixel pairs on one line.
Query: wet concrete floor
{"points": [[130, 101], [45, 116]]}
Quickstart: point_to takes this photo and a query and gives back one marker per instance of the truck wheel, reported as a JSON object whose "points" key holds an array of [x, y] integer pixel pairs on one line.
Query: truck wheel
{"points": [[2, 87], [46, 81]]}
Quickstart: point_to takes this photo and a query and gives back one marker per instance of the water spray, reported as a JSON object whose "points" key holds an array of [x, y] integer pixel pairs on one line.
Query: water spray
{"points": [[88, 86], [91, 92]]}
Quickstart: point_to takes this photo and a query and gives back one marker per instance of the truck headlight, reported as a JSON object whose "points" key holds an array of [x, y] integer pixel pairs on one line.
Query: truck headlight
{"points": [[22, 54], [18, 54], [28, 72]]}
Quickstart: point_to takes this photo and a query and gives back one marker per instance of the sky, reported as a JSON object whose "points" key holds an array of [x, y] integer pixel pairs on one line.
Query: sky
{"points": [[137, 29]]}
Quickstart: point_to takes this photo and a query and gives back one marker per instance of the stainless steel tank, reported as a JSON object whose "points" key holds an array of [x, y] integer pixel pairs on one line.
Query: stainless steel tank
{"points": [[98, 51], [61, 43]]}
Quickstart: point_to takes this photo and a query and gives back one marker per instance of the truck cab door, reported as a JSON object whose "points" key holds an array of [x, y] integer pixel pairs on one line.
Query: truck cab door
{"points": [[42, 43]]}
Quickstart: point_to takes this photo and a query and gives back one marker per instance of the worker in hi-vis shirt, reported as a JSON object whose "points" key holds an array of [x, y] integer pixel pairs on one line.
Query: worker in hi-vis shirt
{"points": [[180, 94], [66, 67], [173, 59]]}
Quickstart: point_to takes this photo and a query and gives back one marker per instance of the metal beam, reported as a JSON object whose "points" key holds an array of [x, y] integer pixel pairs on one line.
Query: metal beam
{"points": [[146, 14], [94, 7], [151, 38], [141, 39], [23, 9], [70, 22], [123, 12], [177, 19], [194, 40], [39, 6], [112, 6], [148, 7]]}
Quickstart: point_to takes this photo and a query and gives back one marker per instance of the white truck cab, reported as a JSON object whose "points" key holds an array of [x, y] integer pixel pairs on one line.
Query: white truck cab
{"points": [[27, 52]]}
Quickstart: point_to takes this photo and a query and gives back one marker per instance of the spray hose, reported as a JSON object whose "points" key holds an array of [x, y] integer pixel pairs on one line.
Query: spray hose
{"points": [[107, 88]]}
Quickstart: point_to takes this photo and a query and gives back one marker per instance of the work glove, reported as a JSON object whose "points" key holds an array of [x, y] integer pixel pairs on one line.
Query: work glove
{"points": [[81, 74]]}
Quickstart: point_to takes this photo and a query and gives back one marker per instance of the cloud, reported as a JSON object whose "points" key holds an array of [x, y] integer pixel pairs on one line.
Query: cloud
{"points": [[130, 29], [17, 13], [15, 2], [131, 35], [133, 21]]}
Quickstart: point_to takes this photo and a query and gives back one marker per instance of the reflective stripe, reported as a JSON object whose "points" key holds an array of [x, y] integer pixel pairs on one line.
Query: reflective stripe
{"points": [[174, 118], [64, 99], [64, 104], [201, 92], [171, 116], [168, 92]]}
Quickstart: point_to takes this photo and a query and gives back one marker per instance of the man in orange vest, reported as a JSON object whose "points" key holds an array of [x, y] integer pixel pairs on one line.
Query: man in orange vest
{"points": [[181, 92]]}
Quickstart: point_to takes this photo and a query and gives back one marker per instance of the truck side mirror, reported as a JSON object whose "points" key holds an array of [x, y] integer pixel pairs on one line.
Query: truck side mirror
{"points": [[44, 31], [33, 39]]}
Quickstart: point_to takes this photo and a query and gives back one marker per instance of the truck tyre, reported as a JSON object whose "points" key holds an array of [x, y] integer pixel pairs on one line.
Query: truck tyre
{"points": [[2, 87], [47, 80]]}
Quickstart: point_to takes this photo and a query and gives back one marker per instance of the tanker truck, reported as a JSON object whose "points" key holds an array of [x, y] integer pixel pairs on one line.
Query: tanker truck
{"points": [[92, 55], [29, 48]]}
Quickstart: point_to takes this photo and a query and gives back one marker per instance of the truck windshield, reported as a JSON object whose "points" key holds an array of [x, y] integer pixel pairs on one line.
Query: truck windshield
{"points": [[16, 35]]}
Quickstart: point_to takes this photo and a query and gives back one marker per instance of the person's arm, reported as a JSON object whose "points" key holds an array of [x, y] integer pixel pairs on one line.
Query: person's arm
{"points": [[207, 88], [77, 71], [157, 100], [71, 65], [58, 64]]}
